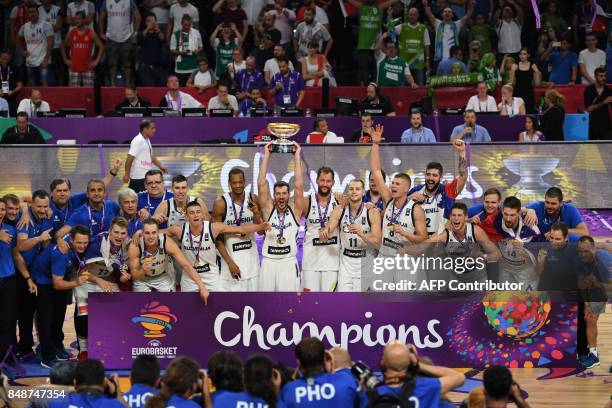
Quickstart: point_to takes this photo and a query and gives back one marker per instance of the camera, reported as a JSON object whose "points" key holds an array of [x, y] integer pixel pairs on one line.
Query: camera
{"points": [[365, 375]]}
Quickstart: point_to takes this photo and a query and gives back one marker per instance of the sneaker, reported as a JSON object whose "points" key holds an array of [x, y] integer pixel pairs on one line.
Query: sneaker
{"points": [[49, 363], [590, 361], [62, 354], [83, 356]]}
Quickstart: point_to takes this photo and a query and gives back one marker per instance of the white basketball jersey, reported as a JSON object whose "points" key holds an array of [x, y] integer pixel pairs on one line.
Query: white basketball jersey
{"points": [[176, 215], [517, 265], [461, 248], [287, 246], [434, 213], [392, 242], [200, 249], [320, 255], [354, 248], [159, 258], [242, 249]]}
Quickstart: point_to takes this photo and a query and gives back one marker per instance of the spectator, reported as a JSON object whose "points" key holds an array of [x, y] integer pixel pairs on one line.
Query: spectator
{"points": [[252, 8], [144, 380], [254, 99], [152, 66], [238, 62], [248, 78], [18, 17], [34, 104], [93, 388], [4, 107], [470, 132], [311, 31], [564, 62], [531, 132], [417, 132], [456, 56], [370, 20], [51, 14], [202, 79], [510, 105], [287, 86], [320, 126], [22, 132], [37, 36], [597, 100], [483, 33], [262, 382], [266, 37], [132, 100], [475, 56], [400, 364], [230, 12], [590, 59], [86, 7], [552, 19], [481, 102], [413, 39], [177, 11], [180, 381], [320, 15], [117, 31], [185, 45], [447, 30], [488, 70], [509, 28], [140, 158], [376, 100], [315, 67], [525, 76], [391, 69], [500, 388], [271, 66], [10, 80], [80, 40], [284, 18], [176, 99], [545, 39], [223, 100], [551, 122], [364, 133], [224, 47], [161, 11], [225, 372], [582, 20]]}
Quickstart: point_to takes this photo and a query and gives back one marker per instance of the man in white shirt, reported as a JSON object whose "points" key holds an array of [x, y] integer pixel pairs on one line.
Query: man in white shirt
{"points": [[86, 7], [176, 99], [509, 28], [310, 30], [33, 104], [37, 35], [271, 65], [176, 14], [252, 8], [320, 126], [481, 102], [50, 13], [223, 100], [118, 35], [140, 158], [446, 30], [590, 59], [284, 19]]}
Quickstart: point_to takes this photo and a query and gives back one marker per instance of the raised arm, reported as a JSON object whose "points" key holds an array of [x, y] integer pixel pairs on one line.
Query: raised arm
{"points": [[263, 191], [429, 14], [217, 7], [462, 170], [298, 188], [375, 166], [469, 12]]}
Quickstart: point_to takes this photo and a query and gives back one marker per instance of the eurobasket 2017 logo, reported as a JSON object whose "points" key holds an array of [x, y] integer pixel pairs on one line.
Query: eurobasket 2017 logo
{"points": [[156, 319]]}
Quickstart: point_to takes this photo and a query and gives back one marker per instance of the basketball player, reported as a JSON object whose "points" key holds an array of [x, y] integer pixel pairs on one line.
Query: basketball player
{"points": [[403, 219], [172, 210], [517, 264], [360, 235], [106, 260], [321, 260], [154, 194], [463, 239], [437, 197], [197, 238], [279, 267], [148, 261], [239, 256], [373, 195]]}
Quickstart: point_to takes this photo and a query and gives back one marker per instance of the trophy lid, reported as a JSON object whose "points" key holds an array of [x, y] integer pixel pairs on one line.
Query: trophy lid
{"points": [[284, 130]]}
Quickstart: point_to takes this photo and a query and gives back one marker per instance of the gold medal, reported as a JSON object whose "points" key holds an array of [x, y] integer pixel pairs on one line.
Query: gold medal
{"points": [[345, 227], [281, 240]]}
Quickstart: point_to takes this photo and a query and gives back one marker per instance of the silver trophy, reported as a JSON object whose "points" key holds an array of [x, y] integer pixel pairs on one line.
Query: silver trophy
{"points": [[283, 132], [531, 169]]}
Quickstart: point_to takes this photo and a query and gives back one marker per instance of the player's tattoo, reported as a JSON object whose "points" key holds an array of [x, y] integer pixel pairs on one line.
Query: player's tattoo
{"points": [[462, 167]]}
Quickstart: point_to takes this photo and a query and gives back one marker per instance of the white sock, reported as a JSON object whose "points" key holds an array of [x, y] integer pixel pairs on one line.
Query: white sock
{"points": [[82, 344], [594, 351]]}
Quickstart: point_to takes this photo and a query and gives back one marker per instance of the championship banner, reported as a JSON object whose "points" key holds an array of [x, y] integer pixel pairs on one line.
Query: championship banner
{"points": [[508, 328]]}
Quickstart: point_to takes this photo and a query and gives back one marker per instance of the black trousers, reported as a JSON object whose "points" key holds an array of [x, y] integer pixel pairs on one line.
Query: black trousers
{"points": [[26, 306], [50, 312], [137, 185], [8, 315]]}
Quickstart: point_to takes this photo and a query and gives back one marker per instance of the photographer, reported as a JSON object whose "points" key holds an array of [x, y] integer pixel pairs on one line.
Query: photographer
{"points": [[500, 388], [59, 384], [315, 387], [406, 377], [144, 378], [93, 388], [182, 379]]}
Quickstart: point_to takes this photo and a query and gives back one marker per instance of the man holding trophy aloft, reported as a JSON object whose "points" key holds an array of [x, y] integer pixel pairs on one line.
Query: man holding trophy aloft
{"points": [[279, 266]]}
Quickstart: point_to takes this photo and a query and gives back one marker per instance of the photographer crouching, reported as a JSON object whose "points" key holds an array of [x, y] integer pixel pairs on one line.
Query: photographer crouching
{"points": [[93, 388], [407, 381]]}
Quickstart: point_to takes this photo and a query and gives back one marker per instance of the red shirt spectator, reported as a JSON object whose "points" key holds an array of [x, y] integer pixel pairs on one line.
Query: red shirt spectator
{"points": [[81, 46]]}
